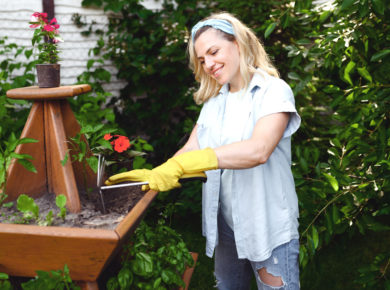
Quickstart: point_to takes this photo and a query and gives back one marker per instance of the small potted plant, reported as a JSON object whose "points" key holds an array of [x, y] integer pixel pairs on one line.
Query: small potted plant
{"points": [[46, 37]]}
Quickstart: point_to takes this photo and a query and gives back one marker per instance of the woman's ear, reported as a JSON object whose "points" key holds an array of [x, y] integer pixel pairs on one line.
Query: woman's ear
{"points": [[238, 47]]}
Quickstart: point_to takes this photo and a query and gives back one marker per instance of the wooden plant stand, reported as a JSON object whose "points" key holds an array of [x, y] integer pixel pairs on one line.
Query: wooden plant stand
{"points": [[52, 122], [24, 249]]}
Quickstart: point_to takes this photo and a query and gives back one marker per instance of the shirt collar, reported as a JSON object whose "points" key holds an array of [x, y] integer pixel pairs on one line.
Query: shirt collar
{"points": [[257, 80]]}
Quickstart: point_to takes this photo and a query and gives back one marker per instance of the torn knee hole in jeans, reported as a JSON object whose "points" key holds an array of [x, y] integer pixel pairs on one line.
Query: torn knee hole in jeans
{"points": [[270, 279]]}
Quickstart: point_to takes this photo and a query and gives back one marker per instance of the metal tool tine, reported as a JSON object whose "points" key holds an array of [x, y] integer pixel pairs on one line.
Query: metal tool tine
{"points": [[98, 172], [100, 176]]}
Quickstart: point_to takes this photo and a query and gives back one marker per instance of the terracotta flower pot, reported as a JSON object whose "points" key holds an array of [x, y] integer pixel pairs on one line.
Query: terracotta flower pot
{"points": [[48, 75]]}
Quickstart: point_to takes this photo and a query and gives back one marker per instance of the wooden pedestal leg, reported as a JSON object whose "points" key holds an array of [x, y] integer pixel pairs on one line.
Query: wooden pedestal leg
{"points": [[61, 178], [85, 177], [20, 180]]}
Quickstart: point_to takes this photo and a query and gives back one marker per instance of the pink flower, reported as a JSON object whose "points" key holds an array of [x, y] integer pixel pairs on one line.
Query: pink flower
{"points": [[122, 143], [34, 25], [48, 27], [107, 136]]}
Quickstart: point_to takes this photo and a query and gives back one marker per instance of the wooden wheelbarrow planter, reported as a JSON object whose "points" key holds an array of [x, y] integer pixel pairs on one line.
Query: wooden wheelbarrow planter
{"points": [[24, 249]]}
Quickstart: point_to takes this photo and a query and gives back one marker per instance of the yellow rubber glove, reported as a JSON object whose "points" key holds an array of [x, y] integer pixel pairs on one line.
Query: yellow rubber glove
{"points": [[166, 176], [133, 175]]}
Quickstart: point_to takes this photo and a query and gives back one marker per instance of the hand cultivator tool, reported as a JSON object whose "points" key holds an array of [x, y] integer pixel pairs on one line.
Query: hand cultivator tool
{"points": [[100, 179]]}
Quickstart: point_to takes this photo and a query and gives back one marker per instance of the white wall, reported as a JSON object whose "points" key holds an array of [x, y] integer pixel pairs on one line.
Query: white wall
{"points": [[14, 18]]}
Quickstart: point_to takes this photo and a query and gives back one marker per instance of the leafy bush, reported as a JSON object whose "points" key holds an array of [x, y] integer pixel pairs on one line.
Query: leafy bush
{"points": [[155, 258], [13, 113], [335, 59], [51, 280]]}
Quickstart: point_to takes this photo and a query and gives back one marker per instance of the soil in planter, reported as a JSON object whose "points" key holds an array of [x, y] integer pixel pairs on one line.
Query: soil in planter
{"points": [[118, 203]]}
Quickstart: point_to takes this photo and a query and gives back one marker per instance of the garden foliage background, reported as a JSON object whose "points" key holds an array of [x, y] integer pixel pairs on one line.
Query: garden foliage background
{"points": [[336, 57]]}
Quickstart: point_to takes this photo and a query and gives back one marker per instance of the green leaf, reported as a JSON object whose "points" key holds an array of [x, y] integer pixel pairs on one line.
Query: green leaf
{"points": [[269, 29], [329, 223], [90, 63], [27, 140], [138, 162], [346, 4], [112, 284], [364, 73], [63, 162], [168, 276], [20, 156], [125, 278], [378, 6], [105, 144], [333, 181], [348, 69], [303, 256], [27, 204], [157, 283], [285, 19], [28, 165], [379, 55], [314, 234], [147, 147], [142, 265], [61, 200], [93, 163], [294, 76], [335, 215]]}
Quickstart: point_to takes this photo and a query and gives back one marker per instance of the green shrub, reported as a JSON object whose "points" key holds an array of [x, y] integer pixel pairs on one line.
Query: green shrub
{"points": [[336, 61], [154, 258]]}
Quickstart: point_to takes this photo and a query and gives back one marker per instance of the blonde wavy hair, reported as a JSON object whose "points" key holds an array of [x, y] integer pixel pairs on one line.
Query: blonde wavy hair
{"points": [[252, 56]]}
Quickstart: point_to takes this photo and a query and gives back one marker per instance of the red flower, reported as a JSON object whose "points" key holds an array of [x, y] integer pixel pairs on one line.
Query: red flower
{"points": [[107, 136], [122, 143]]}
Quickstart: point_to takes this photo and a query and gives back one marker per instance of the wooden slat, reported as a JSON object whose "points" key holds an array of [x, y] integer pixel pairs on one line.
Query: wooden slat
{"points": [[188, 272], [25, 249], [61, 178], [85, 177], [36, 93], [88, 285], [131, 221]]}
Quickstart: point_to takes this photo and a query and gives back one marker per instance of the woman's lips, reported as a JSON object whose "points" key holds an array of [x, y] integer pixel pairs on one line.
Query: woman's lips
{"points": [[216, 72]]}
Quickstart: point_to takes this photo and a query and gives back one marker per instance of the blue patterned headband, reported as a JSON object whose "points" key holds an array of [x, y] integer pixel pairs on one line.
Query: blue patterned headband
{"points": [[220, 24]]}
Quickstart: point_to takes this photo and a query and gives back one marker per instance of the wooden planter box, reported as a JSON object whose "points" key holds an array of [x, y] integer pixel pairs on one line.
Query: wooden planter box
{"points": [[27, 248]]}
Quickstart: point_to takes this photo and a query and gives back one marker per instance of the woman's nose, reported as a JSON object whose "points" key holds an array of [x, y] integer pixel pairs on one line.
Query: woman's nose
{"points": [[208, 63]]}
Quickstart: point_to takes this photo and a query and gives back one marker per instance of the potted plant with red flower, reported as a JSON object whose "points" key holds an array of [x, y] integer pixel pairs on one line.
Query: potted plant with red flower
{"points": [[115, 152], [123, 154], [46, 37]]}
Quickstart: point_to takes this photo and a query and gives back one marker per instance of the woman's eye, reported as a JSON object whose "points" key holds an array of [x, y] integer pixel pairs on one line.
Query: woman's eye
{"points": [[214, 52]]}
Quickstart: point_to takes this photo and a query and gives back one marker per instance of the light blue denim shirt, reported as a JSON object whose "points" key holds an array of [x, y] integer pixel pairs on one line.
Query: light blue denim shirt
{"points": [[264, 202]]}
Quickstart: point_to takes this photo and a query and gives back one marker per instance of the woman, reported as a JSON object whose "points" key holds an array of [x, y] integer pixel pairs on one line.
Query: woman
{"points": [[242, 140]]}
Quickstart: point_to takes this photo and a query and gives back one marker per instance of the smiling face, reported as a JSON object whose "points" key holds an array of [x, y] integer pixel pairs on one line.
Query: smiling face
{"points": [[220, 58]]}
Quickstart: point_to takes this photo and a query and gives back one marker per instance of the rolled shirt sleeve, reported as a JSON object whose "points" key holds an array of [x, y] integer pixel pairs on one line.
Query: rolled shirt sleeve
{"points": [[278, 97]]}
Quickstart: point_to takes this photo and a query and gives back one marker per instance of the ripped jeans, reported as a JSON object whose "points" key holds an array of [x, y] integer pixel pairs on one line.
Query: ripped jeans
{"points": [[280, 271]]}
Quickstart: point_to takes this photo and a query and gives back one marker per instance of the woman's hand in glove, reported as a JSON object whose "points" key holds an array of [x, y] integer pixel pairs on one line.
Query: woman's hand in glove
{"points": [[166, 176]]}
